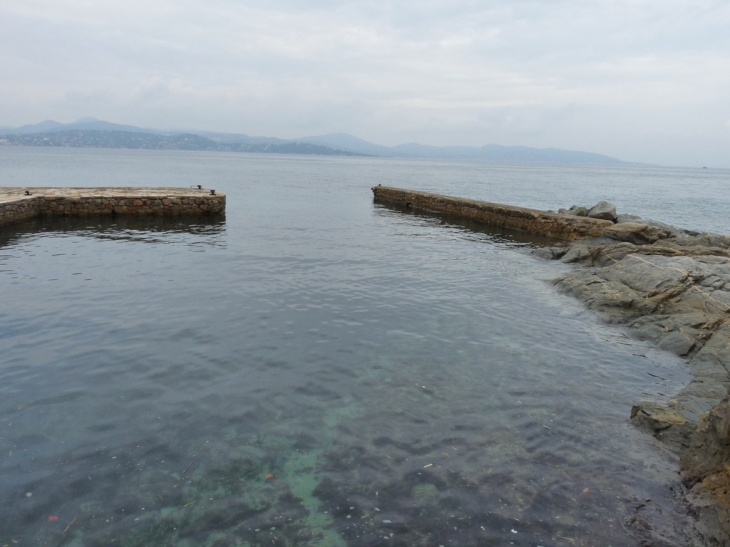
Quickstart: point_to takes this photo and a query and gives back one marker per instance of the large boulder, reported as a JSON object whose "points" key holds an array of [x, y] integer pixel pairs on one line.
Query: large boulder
{"points": [[603, 210]]}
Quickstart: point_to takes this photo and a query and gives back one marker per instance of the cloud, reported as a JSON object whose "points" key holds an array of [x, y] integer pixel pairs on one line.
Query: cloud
{"points": [[459, 72]]}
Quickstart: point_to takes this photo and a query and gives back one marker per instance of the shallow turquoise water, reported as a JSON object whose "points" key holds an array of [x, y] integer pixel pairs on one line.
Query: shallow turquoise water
{"points": [[312, 370]]}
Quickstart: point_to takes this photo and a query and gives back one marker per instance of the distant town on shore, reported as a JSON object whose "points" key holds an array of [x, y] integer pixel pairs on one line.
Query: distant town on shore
{"points": [[93, 133]]}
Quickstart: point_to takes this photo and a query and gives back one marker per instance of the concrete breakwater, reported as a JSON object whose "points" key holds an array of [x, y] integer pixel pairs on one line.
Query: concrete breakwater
{"points": [[17, 204], [532, 221]]}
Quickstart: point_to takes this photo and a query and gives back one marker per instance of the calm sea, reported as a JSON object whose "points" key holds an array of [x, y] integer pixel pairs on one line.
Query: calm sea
{"points": [[317, 370]]}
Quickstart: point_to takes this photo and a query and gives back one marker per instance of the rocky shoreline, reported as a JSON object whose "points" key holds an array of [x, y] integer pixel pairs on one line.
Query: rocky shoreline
{"points": [[670, 287], [666, 285]]}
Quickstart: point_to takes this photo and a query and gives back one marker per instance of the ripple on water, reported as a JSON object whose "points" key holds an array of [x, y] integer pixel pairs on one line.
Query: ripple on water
{"points": [[373, 375]]}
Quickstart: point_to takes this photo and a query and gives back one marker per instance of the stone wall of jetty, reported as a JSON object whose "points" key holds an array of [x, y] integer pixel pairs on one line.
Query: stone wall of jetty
{"points": [[18, 204], [544, 223], [22, 208]]}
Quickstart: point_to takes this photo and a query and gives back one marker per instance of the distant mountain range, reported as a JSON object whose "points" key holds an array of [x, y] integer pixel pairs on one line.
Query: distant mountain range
{"points": [[93, 133], [96, 138]]}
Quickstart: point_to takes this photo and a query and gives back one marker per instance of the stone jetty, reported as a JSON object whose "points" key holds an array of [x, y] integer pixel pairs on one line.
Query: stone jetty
{"points": [[17, 204], [531, 221], [665, 285]]}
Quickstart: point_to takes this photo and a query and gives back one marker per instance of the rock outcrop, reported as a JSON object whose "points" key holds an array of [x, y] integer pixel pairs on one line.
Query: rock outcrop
{"points": [[705, 467], [672, 287]]}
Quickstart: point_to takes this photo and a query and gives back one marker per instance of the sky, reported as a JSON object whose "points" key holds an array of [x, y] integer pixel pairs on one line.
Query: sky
{"points": [[641, 80]]}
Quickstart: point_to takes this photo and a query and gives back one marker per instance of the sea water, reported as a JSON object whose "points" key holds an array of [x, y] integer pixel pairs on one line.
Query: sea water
{"points": [[314, 369]]}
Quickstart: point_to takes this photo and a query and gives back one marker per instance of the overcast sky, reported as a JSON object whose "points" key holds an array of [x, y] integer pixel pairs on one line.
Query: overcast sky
{"points": [[641, 80]]}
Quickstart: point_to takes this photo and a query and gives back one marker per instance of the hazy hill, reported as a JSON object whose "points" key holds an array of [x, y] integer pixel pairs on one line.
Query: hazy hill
{"points": [[240, 138], [495, 152], [84, 124], [490, 152], [81, 138], [344, 141], [97, 133]]}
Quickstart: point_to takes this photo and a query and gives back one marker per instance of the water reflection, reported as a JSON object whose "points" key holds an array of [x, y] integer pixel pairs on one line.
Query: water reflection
{"points": [[409, 384], [494, 233], [209, 230]]}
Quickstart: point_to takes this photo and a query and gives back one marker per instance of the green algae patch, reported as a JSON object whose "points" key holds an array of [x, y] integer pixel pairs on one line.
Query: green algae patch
{"points": [[349, 411], [424, 491], [303, 480]]}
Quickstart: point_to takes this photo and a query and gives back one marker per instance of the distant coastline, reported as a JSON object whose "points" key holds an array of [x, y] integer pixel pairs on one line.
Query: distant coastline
{"points": [[129, 140], [92, 133]]}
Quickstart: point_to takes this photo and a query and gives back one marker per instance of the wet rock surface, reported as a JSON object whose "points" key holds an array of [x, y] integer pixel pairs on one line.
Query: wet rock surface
{"points": [[671, 287], [705, 469]]}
